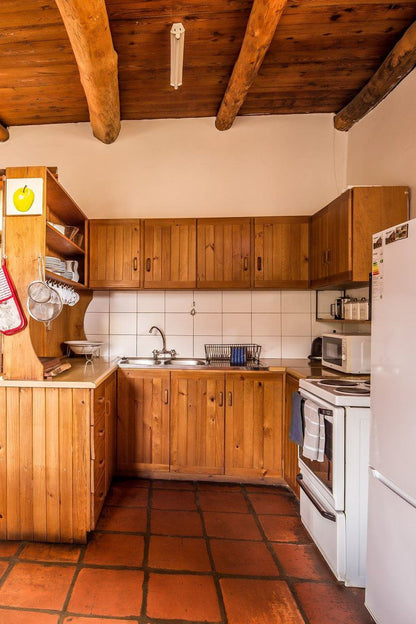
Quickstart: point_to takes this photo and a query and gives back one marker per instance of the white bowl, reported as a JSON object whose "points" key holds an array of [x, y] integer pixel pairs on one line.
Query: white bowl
{"points": [[83, 347]]}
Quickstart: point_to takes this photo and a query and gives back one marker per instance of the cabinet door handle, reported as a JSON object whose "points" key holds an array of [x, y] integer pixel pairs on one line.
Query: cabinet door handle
{"points": [[166, 397], [221, 401], [135, 264], [259, 263], [230, 399], [328, 256], [148, 264], [245, 263], [107, 407]]}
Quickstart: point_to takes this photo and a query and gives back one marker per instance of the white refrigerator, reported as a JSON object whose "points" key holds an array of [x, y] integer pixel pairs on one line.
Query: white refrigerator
{"points": [[391, 547]]}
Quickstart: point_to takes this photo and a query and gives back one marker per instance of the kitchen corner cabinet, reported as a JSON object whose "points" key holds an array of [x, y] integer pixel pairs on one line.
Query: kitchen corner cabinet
{"points": [[169, 253], [224, 253], [281, 252], [340, 240], [115, 253], [290, 449], [143, 421]]}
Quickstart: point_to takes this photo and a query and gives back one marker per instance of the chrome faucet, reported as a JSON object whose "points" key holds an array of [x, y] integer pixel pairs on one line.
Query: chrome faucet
{"points": [[164, 351]]}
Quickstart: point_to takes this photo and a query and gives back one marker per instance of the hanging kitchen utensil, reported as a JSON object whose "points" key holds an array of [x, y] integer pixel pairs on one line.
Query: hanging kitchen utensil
{"points": [[44, 303], [38, 290], [12, 318]]}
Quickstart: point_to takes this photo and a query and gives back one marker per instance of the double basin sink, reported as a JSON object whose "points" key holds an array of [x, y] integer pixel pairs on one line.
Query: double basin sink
{"points": [[178, 362]]}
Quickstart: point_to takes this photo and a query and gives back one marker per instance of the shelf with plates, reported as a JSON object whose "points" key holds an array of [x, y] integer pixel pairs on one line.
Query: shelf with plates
{"points": [[58, 278], [62, 244]]}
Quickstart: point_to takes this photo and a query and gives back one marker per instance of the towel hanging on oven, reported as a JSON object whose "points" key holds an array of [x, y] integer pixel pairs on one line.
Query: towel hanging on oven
{"points": [[12, 318], [314, 432]]}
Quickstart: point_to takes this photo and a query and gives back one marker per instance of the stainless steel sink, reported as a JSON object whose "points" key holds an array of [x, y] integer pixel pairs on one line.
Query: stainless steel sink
{"points": [[131, 362], [185, 362]]}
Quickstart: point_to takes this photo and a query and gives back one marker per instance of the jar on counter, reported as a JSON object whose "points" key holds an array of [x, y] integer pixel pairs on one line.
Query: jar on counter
{"points": [[348, 310], [363, 309], [355, 304]]}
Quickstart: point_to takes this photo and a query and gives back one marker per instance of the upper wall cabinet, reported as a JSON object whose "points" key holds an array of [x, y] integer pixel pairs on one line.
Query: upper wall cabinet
{"points": [[169, 253], [223, 252], [281, 252], [115, 258], [341, 233]]}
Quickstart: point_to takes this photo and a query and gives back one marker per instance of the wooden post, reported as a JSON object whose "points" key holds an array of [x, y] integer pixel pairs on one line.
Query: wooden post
{"points": [[4, 133]]}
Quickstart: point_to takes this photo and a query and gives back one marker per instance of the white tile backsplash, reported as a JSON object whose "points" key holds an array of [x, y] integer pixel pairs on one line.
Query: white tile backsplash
{"points": [[123, 301], [152, 301], [208, 301], [236, 301], [97, 323], [100, 301], [201, 341], [295, 347], [123, 323], [296, 324], [183, 345], [266, 324], [265, 301], [271, 347], [236, 324], [296, 301], [145, 344], [179, 301], [121, 345], [207, 324], [146, 320], [179, 324]]}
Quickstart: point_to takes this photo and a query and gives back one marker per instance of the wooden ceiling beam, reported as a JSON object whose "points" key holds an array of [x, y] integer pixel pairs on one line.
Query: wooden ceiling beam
{"points": [[397, 64], [4, 133], [261, 26], [89, 33]]}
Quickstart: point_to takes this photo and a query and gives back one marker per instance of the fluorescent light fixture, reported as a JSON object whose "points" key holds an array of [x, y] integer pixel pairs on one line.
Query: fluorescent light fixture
{"points": [[177, 40]]}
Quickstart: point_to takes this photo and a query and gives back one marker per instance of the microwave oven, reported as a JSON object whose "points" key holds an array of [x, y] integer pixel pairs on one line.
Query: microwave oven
{"points": [[347, 353]]}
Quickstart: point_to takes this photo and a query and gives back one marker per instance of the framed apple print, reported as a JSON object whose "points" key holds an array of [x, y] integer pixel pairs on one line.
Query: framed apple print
{"points": [[24, 196]]}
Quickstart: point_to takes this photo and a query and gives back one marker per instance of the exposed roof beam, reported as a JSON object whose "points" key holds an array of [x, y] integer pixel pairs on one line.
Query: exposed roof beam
{"points": [[397, 64], [4, 133], [89, 33], [261, 26]]}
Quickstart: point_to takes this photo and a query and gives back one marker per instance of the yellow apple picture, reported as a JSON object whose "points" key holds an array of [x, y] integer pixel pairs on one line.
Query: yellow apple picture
{"points": [[23, 198]]}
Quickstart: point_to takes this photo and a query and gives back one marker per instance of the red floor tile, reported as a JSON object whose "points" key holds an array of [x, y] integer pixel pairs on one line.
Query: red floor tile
{"points": [[218, 487], [182, 597], [3, 567], [257, 601], [248, 558], [11, 616], [302, 561], [184, 523], [168, 484], [131, 482], [64, 553], [116, 593], [223, 501], [332, 603], [179, 553], [130, 519], [279, 503], [87, 620], [115, 549], [8, 549], [180, 499], [231, 525], [284, 529], [127, 496], [38, 586]]}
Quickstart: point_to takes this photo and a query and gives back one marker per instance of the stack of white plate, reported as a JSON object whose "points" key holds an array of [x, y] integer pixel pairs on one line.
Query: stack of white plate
{"points": [[58, 266]]}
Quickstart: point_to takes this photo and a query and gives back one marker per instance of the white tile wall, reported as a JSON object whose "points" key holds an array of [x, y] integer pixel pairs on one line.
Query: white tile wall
{"points": [[283, 322]]}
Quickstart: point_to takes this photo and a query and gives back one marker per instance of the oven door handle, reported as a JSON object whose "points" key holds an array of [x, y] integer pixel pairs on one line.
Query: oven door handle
{"points": [[326, 514]]}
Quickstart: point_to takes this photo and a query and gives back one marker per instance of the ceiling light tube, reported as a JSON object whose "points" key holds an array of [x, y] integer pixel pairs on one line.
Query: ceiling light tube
{"points": [[177, 40]]}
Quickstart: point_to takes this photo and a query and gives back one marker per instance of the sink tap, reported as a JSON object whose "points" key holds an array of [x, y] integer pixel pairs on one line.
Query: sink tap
{"points": [[164, 351]]}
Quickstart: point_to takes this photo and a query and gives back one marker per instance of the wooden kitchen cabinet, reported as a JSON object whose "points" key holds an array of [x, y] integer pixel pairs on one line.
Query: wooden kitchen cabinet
{"points": [[115, 253], [197, 422], [340, 244], [281, 252], [290, 449], [224, 253], [143, 421], [253, 438], [169, 253]]}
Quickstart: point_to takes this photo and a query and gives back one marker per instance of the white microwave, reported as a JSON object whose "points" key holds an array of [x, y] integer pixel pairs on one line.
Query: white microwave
{"points": [[347, 353]]}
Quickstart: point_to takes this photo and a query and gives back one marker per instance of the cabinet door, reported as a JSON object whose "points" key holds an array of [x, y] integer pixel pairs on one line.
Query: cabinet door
{"points": [[319, 248], [114, 246], [290, 449], [339, 254], [223, 252], [253, 442], [281, 250], [110, 428], [143, 421], [170, 253], [197, 423]]}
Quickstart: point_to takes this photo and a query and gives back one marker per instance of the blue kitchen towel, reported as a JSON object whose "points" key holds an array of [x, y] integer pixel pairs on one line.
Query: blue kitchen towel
{"points": [[296, 420]]}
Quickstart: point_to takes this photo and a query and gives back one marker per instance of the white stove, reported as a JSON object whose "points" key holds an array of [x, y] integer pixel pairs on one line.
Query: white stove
{"points": [[339, 391]]}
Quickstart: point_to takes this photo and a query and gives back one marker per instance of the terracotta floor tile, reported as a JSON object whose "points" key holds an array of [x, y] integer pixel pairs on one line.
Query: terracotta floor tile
{"points": [[38, 586], [182, 597], [231, 525], [127, 496], [284, 529], [115, 549], [332, 603], [179, 553], [302, 561], [116, 593], [168, 484], [131, 519], [176, 523], [8, 549], [223, 501], [11, 616], [248, 558], [131, 482], [257, 601], [267, 489], [279, 503], [3, 567], [209, 486], [65, 553], [71, 619], [175, 499]]}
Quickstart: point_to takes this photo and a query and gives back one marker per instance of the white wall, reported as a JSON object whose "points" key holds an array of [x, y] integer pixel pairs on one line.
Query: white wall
{"points": [[270, 165], [382, 146]]}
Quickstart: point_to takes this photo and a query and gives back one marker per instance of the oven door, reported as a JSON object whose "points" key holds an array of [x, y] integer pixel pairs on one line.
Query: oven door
{"points": [[327, 476]]}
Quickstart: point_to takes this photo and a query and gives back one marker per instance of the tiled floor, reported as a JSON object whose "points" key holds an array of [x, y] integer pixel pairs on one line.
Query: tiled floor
{"points": [[179, 552]]}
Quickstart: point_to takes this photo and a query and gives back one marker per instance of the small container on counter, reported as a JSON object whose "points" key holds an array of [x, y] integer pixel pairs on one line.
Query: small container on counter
{"points": [[348, 310], [363, 309], [355, 304]]}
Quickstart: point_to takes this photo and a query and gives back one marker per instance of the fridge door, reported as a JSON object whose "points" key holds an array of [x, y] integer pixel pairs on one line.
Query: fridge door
{"points": [[391, 561], [393, 358]]}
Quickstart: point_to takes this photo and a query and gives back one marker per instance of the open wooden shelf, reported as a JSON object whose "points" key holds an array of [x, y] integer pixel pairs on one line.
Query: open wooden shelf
{"points": [[61, 244], [331, 320], [64, 280], [58, 197]]}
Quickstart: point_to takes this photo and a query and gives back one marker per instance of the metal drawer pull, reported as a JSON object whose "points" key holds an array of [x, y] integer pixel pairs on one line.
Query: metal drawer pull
{"points": [[326, 514], [245, 265], [134, 264], [230, 399], [221, 401], [259, 262], [166, 399], [148, 264]]}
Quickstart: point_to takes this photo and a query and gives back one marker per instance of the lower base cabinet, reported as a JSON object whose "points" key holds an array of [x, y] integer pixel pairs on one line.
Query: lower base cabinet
{"points": [[290, 449]]}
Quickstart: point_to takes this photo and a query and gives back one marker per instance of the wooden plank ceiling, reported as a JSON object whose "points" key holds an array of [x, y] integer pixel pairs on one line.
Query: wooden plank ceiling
{"points": [[322, 54]]}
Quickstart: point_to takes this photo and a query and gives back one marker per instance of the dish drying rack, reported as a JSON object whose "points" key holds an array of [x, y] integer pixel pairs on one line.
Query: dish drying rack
{"points": [[229, 353]]}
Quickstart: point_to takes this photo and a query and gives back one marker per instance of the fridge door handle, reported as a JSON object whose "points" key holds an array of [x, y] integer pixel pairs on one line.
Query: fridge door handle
{"points": [[391, 486], [326, 514]]}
